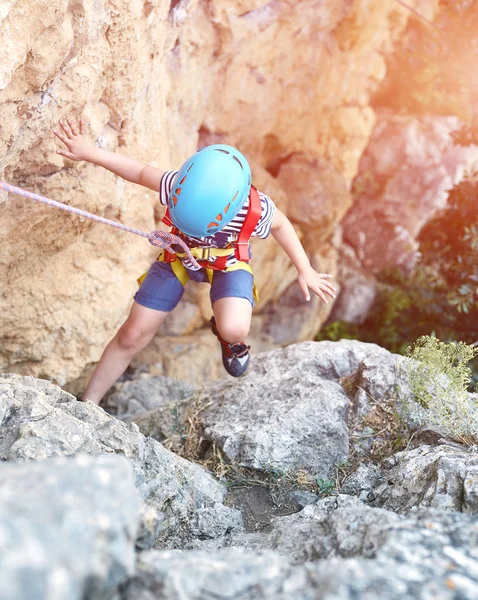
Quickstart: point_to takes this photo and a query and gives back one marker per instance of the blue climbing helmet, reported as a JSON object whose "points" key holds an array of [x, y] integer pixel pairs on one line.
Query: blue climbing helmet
{"points": [[209, 190]]}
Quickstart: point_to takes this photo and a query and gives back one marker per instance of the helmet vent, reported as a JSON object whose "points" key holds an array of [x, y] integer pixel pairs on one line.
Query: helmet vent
{"points": [[227, 208], [177, 191], [219, 217], [183, 180], [190, 167], [212, 227], [238, 161], [235, 196], [221, 150]]}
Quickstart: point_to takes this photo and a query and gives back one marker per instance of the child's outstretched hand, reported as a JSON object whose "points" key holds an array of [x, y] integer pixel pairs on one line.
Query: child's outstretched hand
{"points": [[78, 146], [317, 282]]}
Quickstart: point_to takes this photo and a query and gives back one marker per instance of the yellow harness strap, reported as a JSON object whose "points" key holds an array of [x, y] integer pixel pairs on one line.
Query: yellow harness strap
{"points": [[182, 273], [140, 280]]}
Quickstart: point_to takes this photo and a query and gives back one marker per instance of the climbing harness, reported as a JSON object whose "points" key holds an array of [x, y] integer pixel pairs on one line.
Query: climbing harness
{"points": [[161, 239], [239, 248]]}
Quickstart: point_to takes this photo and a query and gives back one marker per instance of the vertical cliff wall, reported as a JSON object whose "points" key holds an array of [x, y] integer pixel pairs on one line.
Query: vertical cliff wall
{"points": [[287, 82]]}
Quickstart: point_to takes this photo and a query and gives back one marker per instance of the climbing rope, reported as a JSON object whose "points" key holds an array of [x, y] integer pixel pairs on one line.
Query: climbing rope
{"points": [[160, 239], [416, 13]]}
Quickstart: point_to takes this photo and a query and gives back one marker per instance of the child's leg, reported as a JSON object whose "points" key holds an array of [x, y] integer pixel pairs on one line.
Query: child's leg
{"points": [[232, 303], [135, 333], [158, 295], [233, 318]]}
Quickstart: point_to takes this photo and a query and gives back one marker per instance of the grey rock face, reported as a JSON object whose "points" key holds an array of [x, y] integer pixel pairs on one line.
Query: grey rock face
{"points": [[383, 374], [131, 398], [281, 412], [39, 421], [335, 526], [226, 574], [67, 528], [363, 482], [294, 407], [439, 477], [216, 521], [258, 432], [428, 555]]}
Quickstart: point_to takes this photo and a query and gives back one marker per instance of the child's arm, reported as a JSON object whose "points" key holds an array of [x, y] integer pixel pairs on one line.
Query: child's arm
{"points": [[286, 237], [79, 147]]}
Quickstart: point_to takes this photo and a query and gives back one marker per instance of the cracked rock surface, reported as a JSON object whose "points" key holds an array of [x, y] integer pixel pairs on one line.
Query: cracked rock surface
{"points": [[137, 522], [439, 477], [39, 421]]}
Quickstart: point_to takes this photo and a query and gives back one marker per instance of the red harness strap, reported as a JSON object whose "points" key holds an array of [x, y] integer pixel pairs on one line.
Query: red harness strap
{"points": [[169, 256], [241, 246]]}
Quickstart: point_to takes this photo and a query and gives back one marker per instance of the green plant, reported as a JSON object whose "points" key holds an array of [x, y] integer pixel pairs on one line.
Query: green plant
{"points": [[178, 426], [338, 330], [440, 296], [326, 486], [439, 375]]}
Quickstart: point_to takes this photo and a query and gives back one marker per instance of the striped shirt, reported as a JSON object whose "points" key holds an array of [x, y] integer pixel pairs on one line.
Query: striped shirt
{"points": [[229, 234]]}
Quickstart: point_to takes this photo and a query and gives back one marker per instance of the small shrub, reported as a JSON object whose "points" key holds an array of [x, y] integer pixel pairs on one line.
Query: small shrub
{"points": [[438, 377], [326, 486], [338, 330]]}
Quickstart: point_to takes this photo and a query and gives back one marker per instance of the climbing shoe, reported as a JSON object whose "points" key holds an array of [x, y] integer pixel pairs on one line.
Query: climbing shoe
{"points": [[235, 357]]}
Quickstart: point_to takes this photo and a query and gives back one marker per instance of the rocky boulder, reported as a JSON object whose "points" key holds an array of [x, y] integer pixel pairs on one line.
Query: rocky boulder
{"points": [[440, 477], [373, 555], [279, 414], [38, 420], [130, 398], [67, 527], [363, 482], [335, 526], [232, 573], [430, 554], [289, 402]]}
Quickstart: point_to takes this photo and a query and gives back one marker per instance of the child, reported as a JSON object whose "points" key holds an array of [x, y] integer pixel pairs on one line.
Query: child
{"points": [[207, 202]]}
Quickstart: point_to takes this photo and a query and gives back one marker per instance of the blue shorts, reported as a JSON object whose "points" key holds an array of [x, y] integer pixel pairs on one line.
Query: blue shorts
{"points": [[162, 290]]}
